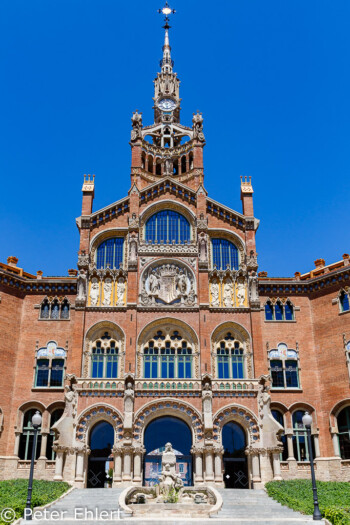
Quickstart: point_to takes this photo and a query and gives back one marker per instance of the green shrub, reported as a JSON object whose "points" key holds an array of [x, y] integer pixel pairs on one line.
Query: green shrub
{"points": [[13, 494], [333, 497]]}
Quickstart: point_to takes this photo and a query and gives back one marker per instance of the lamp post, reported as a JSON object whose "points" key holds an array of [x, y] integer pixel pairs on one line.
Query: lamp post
{"points": [[307, 421], [36, 422]]}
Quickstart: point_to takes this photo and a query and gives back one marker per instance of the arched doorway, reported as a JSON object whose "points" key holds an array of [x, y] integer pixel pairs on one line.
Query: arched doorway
{"points": [[164, 430], [100, 459], [235, 460]]}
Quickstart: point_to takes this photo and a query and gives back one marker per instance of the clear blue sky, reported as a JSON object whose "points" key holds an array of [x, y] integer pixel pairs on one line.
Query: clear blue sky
{"points": [[271, 78]]}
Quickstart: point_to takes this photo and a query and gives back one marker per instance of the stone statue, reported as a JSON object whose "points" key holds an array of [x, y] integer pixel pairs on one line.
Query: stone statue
{"points": [[107, 292], [169, 169], [120, 291], [252, 261], [81, 286], [83, 260], [94, 292], [182, 284], [228, 292], [153, 283], [136, 120], [253, 288], [271, 429], [133, 248], [215, 294], [64, 427], [133, 221], [241, 294], [168, 479], [203, 247], [207, 403], [128, 406], [197, 121]]}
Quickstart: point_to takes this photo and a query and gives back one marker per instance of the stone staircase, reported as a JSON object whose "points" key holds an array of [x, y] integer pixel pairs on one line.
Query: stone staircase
{"points": [[241, 507]]}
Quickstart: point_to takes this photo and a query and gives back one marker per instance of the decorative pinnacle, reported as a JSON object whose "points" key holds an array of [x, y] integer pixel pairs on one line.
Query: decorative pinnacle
{"points": [[166, 11]]}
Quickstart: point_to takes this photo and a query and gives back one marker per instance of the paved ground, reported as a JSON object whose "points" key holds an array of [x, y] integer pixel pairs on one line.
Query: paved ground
{"points": [[100, 506]]}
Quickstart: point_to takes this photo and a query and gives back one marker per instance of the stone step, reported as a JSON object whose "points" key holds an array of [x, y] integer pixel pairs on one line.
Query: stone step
{"points": [[181, 521]]}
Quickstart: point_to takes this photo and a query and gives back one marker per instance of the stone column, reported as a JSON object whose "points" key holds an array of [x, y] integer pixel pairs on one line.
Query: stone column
{"points": [[43, 446], [336, 444], [117, 475], [79, 469], [138, 453], [198, 464], [218, 452], [317, 446], [256, 468], [59, 465], [209, 472], [18, 437], [290, 447], [276, 466], [127, 458]]}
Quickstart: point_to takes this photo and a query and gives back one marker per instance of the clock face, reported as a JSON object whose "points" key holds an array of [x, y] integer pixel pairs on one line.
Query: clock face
{"points": [[166, 104]]}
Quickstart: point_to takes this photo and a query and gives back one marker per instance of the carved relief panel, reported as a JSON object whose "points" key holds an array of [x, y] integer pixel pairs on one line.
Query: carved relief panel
{"points": [[107, 288], [228, 290], [168, 283]]}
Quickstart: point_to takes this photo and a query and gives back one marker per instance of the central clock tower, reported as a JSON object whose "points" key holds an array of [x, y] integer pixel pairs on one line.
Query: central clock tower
{"points": [[167, 148]]}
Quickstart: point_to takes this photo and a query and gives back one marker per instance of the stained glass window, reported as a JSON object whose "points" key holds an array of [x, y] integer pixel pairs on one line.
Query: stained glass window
{"points": [[300, 442], [167, 226], [110, 253], [279, 311], [284, 367], [27, 436], [50, 366], [225, 254]]}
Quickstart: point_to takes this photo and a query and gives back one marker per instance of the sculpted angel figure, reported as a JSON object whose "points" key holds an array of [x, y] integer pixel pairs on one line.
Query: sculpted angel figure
{"points": [[107, 292], [94, 292], [153, 283], [228, 291], [241, 294], [215, 294], [182, 284], [120, 291]]}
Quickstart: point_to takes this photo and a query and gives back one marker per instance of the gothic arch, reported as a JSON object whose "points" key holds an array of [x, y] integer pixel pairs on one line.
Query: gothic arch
{"points": [[94, 414], [242, 335], [168, 324], [334, 413], [231, 236], [242, 416], [102, 236], [22, 409], [94, 332], [168, 407]]}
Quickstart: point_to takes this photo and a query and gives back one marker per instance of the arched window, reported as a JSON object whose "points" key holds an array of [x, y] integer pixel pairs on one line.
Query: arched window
{"points": [[105, 356], [55, 416], [284, 367], [280, 419], [300, 443], [279, 311], [344, 302], [167, 357], [230, 360], [225, 254], [343, 420], [50, 366], [45, 309], [26, 438], [110, 253], [183, 164], [167, 226], [65, 309]]}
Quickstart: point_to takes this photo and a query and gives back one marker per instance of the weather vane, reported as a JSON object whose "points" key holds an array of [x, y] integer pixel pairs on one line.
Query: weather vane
{"points": [[166, 11]]}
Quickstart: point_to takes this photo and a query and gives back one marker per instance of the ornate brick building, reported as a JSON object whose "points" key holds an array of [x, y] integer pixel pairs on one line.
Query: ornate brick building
{"points": [[166, 332]]}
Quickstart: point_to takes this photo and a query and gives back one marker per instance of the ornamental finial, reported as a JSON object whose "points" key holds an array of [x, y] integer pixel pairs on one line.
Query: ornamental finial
{"points": [[166, 10]]}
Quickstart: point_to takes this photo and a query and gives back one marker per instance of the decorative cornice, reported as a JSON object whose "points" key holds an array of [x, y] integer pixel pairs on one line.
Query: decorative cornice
{"points": [[53, 285]]}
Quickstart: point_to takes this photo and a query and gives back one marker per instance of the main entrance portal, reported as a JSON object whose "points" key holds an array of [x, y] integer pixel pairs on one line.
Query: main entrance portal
{"points": [[100, 459], [235, 460], [159, 432]]}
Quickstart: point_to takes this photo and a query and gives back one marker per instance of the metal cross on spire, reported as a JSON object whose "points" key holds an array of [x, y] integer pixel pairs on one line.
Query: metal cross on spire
{"points": [[166, 10]]}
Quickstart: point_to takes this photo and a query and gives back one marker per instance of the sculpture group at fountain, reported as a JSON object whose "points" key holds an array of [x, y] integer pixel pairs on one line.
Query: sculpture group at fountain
{"points": [[169, 481]]}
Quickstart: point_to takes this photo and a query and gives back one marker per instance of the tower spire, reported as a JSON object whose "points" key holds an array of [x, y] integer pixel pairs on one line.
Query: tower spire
{"points": [[166, 63]]}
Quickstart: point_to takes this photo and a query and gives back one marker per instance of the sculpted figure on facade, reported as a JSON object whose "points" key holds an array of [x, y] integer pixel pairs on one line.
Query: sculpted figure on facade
{"points": [[83, 259], [65, 426], [207, 403], [120, 291], [94, 292], [133, 248], [168, 283], [203, 248], [133, 221], [215, 301], [228, 293], [254, 288], [168, 165], [271, 429], [107, 292], [136, 121], [197, 121], [81, 287], [128, 406], [241, 293]]}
